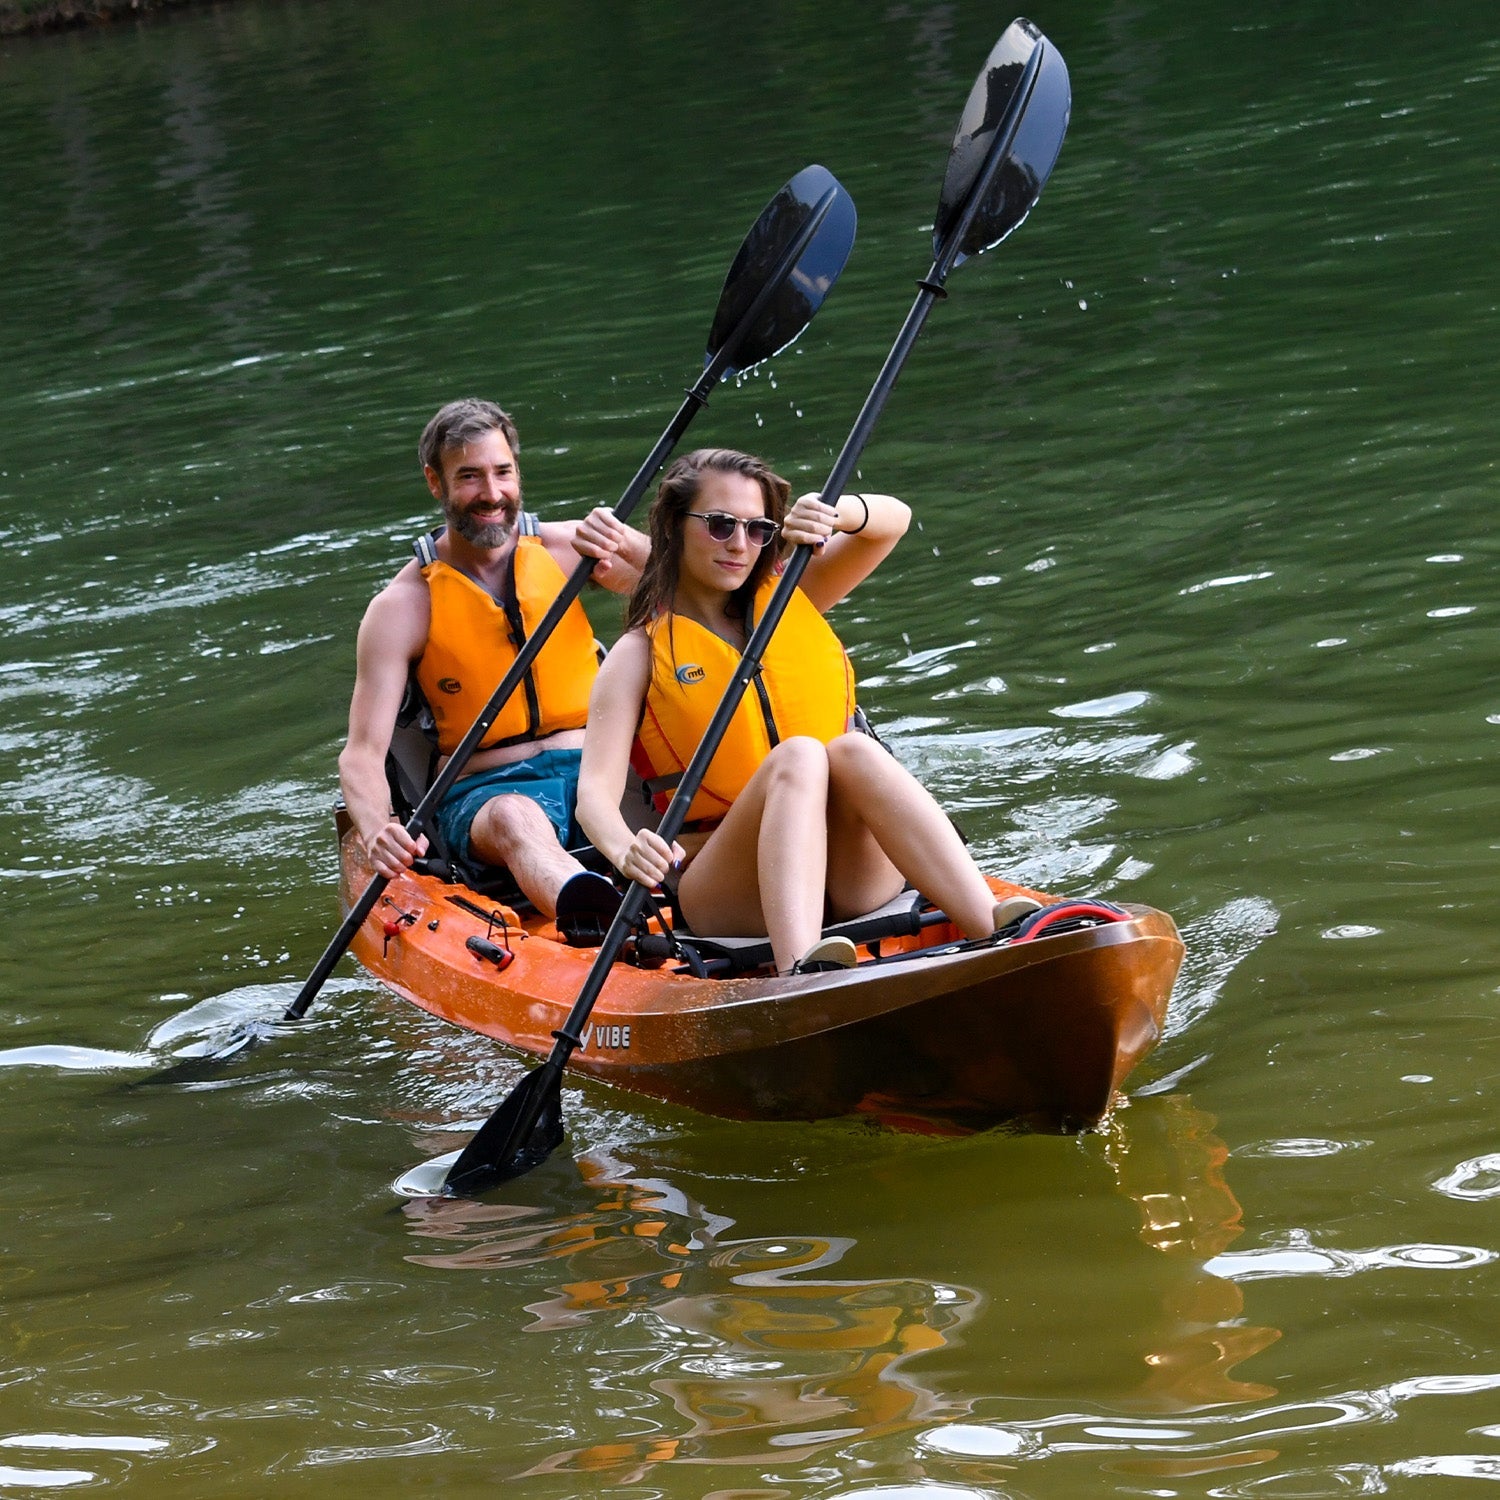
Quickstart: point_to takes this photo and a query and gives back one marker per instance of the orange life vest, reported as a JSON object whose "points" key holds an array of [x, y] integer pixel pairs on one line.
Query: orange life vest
{"points": [[805, 686], [474, 638]]}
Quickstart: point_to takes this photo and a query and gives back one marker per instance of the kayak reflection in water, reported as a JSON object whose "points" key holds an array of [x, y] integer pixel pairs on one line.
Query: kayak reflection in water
{"points": [[799, 814]]}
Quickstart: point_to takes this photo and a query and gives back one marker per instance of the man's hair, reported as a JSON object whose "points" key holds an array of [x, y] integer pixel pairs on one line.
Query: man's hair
{"points": [[457, 425]]}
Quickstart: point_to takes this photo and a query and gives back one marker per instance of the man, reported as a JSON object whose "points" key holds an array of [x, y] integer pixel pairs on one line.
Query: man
{"points": [[456, 614]]}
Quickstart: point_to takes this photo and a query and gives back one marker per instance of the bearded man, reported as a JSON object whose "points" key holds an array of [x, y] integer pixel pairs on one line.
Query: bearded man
{"points": [[455, 617]]}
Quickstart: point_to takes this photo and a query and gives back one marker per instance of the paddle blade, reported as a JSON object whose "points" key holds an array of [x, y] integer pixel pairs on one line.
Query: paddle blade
{"points": [[999, 104], [525, 1130], [802, 287]]}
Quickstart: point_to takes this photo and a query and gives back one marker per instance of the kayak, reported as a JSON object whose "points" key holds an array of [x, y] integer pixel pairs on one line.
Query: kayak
{"points": [[1040, 1026]]}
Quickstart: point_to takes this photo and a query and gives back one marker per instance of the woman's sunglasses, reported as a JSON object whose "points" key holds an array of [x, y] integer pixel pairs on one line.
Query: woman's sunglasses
{"points": [[721, 526]]}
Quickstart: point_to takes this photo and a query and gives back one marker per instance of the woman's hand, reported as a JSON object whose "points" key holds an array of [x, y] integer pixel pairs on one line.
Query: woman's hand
{"points": [[809, 523], [865, 527], [649, 859], [600, 535]]}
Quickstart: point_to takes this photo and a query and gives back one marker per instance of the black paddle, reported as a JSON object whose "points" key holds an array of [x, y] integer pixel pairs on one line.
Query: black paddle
{"points": [[785, 268], [1007, 141]]}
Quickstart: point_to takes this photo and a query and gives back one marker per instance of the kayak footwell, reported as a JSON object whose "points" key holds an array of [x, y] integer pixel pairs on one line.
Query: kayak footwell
{"points": [[1043, 1032]]}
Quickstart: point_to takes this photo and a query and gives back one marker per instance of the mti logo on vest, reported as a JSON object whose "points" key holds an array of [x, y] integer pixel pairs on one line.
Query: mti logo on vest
{"points": [[690, 672]]}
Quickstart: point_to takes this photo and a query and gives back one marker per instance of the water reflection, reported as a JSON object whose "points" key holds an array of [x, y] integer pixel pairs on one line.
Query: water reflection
{"points": [[758, 1353], [1170, 1163], [759, 1356]]}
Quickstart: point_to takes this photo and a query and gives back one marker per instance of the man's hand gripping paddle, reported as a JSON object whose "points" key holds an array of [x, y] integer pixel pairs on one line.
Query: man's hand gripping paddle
{"points": [[1007, 142]]}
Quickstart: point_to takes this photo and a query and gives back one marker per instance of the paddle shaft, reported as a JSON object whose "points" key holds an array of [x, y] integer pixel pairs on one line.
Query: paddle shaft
{"points": [[697, 399], [930, 288]]}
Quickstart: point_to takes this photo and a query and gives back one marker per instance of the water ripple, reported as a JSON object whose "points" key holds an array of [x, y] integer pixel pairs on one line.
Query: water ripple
{"points": [[1474, 1180], [75, 1443], [1297, 1255], [39, 1479], [1227, 582], [1217, 944], [63, 1058], [432, 1439], [1298, 1146], [924, 1491], [1112, 707], [119, 1447], [1220, 1437]]}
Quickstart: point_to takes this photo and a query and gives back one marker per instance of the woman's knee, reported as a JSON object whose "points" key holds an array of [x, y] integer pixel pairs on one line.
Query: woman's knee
{"points": [[800, 761], [855, 754]]}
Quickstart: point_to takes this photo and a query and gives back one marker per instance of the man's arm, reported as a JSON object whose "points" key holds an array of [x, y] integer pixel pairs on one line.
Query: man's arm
{"points": [[621, 550], [391, 636]]}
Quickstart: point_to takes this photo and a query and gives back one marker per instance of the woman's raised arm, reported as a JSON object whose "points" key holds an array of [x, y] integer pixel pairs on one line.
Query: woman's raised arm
{"points": [[857, 535]]}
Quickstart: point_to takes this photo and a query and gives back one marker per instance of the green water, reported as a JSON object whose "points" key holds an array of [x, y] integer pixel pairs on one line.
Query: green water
{"points": [[1197, 615]]}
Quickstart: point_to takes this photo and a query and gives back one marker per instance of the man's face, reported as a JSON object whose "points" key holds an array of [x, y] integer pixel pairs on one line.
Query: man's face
{"points": [[480, 489]]}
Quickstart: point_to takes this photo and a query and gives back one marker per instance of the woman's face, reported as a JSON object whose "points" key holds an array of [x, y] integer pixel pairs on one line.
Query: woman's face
{"points": [[711, 565]]}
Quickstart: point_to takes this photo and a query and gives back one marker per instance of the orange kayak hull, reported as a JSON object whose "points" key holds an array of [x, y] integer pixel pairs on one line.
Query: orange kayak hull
{"points": [[1043, 1032]]}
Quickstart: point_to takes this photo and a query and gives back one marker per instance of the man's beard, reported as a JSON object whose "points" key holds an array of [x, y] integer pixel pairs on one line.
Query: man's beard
{"points": [[480, 533]]}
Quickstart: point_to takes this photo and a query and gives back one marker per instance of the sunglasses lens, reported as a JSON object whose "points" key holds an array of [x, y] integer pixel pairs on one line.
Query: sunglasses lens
{"points": [[721, 526]]}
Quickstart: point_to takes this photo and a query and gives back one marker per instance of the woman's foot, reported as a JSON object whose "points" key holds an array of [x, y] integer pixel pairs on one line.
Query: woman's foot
{"points": [[1010, 911], [826, 955]]}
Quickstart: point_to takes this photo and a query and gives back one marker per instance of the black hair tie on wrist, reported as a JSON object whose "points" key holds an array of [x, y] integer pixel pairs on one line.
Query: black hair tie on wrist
{"points": [[866, 506]]}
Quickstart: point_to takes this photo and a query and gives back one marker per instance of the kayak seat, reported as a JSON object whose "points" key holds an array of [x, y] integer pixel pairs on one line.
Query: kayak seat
{"points": [[904, 915]]}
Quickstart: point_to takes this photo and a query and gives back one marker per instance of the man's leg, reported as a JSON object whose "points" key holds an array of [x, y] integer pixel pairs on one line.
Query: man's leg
{"points": [[511, 830]]}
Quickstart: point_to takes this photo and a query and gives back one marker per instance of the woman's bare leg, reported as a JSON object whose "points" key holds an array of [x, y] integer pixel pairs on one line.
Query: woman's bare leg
{"points": [[762, 870], [885, 826]]}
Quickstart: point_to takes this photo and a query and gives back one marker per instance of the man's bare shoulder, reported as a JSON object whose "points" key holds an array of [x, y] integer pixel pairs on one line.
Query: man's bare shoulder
{"points": [[408, 587], [401, 613]]}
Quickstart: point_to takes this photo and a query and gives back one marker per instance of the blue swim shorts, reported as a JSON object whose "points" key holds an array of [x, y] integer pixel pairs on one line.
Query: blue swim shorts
{"points": [[550, 779]]}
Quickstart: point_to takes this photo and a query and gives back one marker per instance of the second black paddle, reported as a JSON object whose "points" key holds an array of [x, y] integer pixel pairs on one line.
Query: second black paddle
{"points": [[1006, 145]]}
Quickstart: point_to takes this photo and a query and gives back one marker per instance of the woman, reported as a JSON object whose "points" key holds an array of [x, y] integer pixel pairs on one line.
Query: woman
{"points": [[792, 820]]}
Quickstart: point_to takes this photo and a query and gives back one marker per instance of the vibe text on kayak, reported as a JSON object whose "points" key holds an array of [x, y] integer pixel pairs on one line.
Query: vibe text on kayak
{"points": [[607, 1036]]}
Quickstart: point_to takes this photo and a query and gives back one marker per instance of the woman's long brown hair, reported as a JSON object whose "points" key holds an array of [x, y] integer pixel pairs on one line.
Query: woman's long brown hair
{"points": [[656, 593]]}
